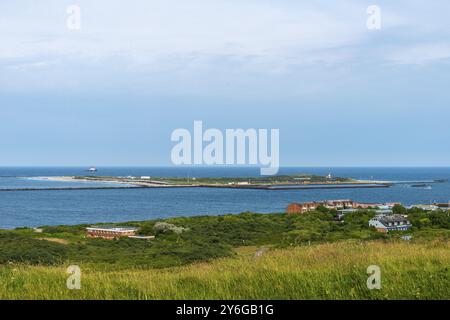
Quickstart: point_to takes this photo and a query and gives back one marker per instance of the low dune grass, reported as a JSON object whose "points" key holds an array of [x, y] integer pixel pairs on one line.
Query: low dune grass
{"points": [[327, 271]]}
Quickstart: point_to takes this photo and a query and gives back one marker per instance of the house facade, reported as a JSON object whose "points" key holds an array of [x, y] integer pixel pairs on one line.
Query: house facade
{"points": [[107, 232], [295, 208], [386, 223]]}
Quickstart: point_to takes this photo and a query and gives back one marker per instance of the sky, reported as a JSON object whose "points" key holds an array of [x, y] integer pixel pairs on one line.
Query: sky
{"points": [[112, 92]]}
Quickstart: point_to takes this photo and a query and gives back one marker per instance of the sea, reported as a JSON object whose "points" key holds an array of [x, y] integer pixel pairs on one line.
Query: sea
{"points": [[69, 207]]}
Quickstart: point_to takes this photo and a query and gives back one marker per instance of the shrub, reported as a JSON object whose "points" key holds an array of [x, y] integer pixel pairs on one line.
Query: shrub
{"points": [[16, 248], [162, 227]]}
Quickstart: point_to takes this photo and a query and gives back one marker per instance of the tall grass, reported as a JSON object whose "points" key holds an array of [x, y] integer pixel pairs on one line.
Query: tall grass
{"points": [[328, 271]]}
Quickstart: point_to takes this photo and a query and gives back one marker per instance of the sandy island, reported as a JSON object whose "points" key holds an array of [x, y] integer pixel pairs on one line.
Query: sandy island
{"points": [[134, 182]]}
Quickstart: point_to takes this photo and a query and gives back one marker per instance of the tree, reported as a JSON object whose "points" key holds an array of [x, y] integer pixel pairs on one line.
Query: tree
{"points": [[398, 209]]}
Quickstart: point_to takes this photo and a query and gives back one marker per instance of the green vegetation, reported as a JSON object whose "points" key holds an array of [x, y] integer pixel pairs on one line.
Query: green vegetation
{"points": [[314, 255], [272, 180], [20, 248], [181, 241], [409, 270]]}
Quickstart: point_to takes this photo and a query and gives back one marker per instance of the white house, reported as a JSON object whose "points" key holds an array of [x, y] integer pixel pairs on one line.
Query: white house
{"points": [[393, 222]]}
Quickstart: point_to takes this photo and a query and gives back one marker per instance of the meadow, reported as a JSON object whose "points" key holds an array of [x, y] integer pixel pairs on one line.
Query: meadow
{"points": [[323, 271], [245, 256]]}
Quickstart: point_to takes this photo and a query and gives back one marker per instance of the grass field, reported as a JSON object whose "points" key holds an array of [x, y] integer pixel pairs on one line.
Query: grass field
{"points": [[409, 270]]}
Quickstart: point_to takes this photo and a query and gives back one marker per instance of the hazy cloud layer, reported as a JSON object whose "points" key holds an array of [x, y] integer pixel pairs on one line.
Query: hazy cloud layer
{"points": [[194, 43], [112, 93]]}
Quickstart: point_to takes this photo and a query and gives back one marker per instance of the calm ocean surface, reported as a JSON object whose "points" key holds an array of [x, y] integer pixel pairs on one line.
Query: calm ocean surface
{"points": [[38, 208]]}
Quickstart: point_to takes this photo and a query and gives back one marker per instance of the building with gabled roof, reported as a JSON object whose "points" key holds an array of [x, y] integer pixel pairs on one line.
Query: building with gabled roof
{"points": [[393, 222]]}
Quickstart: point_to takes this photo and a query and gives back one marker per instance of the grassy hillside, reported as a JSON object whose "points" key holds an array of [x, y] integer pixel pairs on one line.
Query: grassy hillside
{"points": [[246, 256], [184, 241], [181, 241], [410, 270]]}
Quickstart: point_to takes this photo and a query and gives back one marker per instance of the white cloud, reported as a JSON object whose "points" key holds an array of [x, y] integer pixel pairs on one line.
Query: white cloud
{"points": [[421, 53], [147, 30], [167, 44]]}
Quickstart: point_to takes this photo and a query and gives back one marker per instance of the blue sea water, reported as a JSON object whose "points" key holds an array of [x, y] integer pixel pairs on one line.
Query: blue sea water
{"points": [[38, 208]]}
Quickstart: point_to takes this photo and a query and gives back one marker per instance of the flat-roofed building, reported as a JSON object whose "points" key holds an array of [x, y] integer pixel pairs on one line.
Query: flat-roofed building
{"points": [[426, 207], [110, 232], [142, 237]]}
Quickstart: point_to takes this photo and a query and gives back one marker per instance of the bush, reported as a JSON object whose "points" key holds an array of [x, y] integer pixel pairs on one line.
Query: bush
{"points": [[21, 249], [208, 237], [398, 209], [162, 227]]}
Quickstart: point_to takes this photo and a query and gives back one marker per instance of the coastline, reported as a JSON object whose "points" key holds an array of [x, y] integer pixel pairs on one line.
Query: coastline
{"points": [[168, 183]]}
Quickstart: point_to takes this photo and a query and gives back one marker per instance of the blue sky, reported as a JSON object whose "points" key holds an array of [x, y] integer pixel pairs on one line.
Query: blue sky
{"points": [[112, 92]]}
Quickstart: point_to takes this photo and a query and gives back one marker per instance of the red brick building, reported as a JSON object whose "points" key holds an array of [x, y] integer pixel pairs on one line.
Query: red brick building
{"points": [[296, 208], [110, 232]]}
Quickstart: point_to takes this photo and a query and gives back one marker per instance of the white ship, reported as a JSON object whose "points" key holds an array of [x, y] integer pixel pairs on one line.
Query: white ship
{"points": [[92, 169]]}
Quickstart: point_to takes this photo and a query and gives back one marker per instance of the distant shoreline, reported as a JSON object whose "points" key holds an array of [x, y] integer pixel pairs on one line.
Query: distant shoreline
{"points": [[272, 183], [129, 183]]}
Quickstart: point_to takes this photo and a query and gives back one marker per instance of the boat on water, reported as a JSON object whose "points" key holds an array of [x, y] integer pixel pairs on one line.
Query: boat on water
{"points": [[92, 169], [422, 186]]}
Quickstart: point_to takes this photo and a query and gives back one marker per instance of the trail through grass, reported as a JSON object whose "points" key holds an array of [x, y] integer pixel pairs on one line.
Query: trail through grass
{"points": [[326, 271]]}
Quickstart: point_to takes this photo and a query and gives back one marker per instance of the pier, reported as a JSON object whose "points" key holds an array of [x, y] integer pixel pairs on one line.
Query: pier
{"points": [[68, 188]]}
